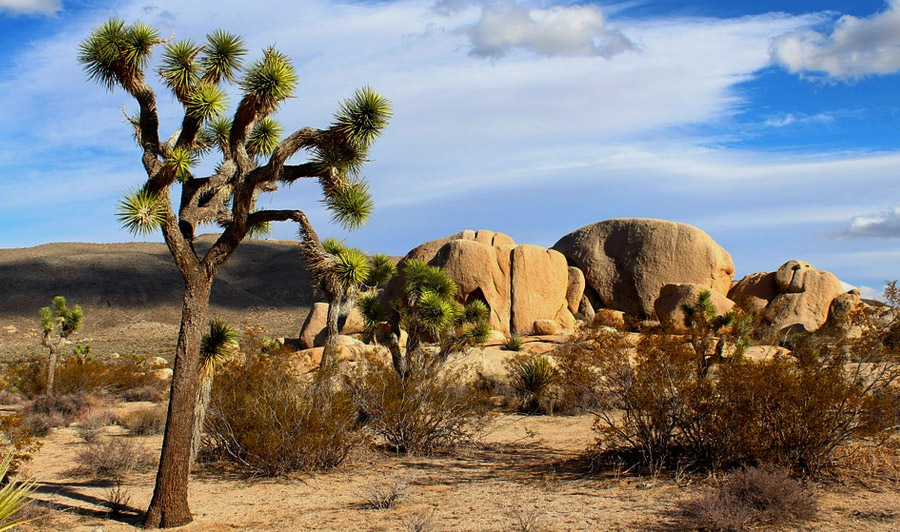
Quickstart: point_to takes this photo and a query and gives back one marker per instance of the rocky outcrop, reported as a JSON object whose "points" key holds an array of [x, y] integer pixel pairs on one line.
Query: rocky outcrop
{"points": [[520, 284], [669, 305], [627, 261], [797, 296]]}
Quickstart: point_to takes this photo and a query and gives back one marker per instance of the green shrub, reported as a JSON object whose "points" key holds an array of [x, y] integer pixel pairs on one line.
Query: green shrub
{"points": [[533, 378], [513, 343], [266, 421], [429, 410]]}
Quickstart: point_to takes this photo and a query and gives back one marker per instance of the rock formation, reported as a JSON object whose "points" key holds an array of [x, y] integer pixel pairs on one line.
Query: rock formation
{"points": [[797, 296], [521, 284], [627, 261]]}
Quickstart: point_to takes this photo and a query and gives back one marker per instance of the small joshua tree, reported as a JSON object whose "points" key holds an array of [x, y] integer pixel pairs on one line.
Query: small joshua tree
{"points": [[352, 273], [254, 157], [428, 310], [705, 324], [58, 323]]}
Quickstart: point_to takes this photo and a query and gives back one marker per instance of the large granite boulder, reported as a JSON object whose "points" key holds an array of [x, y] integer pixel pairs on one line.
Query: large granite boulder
{"points": [[627, 261], [796, 296], [521, 284]]}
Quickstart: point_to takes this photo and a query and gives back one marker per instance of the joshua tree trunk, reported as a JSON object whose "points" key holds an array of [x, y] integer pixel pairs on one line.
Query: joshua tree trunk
{"points": [[204, 395], [169, 505], [329, 353], [51, 372]]}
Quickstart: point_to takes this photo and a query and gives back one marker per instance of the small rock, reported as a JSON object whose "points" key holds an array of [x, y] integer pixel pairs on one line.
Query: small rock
{"points": [[545, 327]]}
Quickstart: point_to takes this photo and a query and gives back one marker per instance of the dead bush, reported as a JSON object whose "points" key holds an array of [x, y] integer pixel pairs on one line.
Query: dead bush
{"points": [[263, 419], [147, 421], [92, 423], [112, 459], [748, 499], [386, 495], [74, 375], [18, 440], [45, 412], [428, 410]]}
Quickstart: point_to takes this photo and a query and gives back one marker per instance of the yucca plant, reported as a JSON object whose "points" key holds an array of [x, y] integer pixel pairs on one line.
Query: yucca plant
{"points": [[217, 346], [58, 323], [13, 498], [533, 377], [253, 151], [705, 323], [513, 343]]}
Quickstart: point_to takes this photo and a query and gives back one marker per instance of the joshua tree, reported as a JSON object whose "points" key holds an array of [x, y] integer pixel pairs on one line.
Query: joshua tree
{"points": [[352, 273], [63, 321], [427, 311], [254, 159], [705, 324], [216, 346]]}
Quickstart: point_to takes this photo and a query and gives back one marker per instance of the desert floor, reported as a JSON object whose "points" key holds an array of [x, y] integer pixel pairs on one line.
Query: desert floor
{"points": [[524, 468]]}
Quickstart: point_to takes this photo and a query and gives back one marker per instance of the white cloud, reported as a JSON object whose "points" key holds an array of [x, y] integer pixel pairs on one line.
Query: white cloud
{"points": [[884, 224], [788, 119], [31, 7], [556, 31], [856, 47]]}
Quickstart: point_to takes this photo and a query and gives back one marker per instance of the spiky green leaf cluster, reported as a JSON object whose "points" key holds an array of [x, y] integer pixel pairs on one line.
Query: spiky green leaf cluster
{"points": [[264, 137], [13, 497], [333, 245], [222, 56], [218, 344], [260, 230], [63, 319], [372, 310], [362, 117], [217, 132], [422, 278], [181, 160], [436, 313], [340, 158], [117, 54], [270, 80], [350, 204], [179, 68], [382, 270], [141, 212], [351, 267], [206, 102]]}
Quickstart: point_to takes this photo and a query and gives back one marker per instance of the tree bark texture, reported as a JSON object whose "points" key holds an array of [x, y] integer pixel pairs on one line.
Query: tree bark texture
{"points": [[169, 505]]}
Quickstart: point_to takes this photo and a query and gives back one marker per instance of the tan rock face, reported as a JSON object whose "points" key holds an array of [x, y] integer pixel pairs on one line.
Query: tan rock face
{"points": [[627, 261], [312, 333], [575, 290], [520, 284], [672, 297], [540, 281], [754, 291]]}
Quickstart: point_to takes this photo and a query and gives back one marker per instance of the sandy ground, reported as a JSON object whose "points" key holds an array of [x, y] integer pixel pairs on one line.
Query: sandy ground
{"points": [[523, 467]]}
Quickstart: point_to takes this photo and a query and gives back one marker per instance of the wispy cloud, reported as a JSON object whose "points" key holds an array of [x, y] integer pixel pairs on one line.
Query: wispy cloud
{"points": [[882, 224], [856, 47], [789, 119], [556, 31], [30, 7]]}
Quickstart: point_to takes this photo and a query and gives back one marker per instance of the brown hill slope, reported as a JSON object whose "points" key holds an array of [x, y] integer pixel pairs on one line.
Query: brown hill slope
{"points": [[132, 292]]}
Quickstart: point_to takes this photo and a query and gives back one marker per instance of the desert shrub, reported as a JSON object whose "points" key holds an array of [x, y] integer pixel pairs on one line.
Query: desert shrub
{"points": [[112, 459], [657, 401], [428, 410], [148, 421], [8, 398], [151, 393], [92, 423], [13, 497], [74, 374], [17, 442], [386, 495], [748, 499], [55, 411], [533, 377], [513, 343], [262, 418]]}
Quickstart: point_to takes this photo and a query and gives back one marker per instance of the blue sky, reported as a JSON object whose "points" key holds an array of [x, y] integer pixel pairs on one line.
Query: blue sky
{"points": [[771, 125]]}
